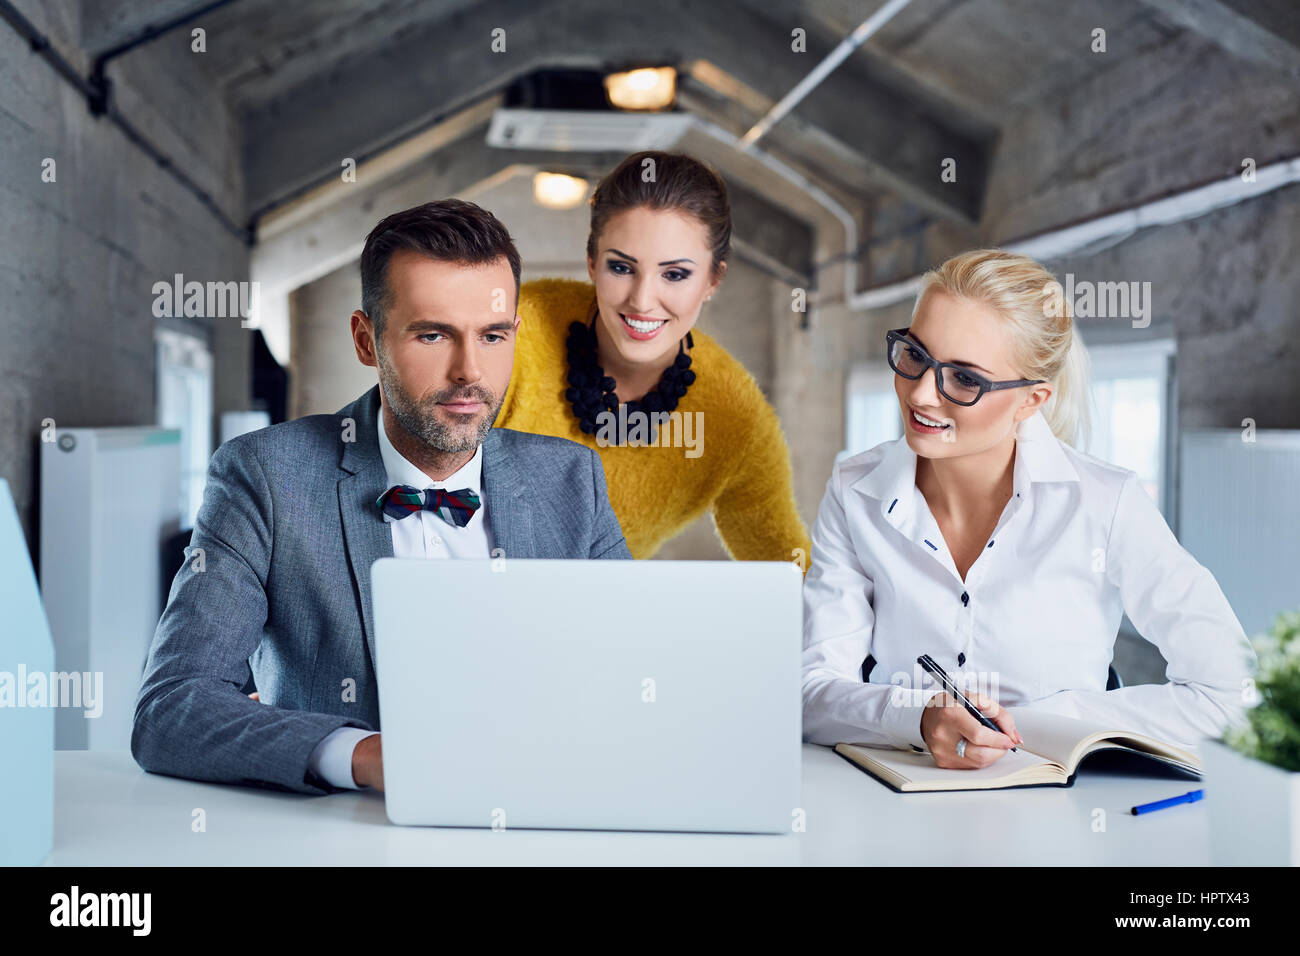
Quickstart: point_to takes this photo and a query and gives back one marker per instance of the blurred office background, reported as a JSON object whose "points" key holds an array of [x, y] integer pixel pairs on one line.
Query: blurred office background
{"points": [[1147, 141]]}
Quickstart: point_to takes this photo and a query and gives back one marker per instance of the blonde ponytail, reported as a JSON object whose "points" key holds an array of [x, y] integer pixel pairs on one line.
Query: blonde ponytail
{"points": [[1067, 410], [1045, 341]]}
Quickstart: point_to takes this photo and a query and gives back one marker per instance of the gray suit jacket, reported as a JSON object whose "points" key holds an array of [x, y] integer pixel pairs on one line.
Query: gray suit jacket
{"points": [[288, 531]]}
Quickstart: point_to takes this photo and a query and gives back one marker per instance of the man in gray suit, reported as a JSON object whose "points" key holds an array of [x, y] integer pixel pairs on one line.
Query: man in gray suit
{"points": [[293, 516]]}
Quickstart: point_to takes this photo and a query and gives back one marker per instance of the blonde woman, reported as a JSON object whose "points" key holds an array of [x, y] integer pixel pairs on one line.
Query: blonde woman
{"points": [[985, 540]]}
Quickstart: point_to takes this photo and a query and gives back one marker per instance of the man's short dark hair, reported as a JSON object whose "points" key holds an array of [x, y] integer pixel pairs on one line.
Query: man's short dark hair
{"points": [[450, 230]]}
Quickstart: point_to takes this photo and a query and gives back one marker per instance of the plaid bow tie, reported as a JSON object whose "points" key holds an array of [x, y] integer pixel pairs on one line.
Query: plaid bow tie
{"points": [[453, 507]]}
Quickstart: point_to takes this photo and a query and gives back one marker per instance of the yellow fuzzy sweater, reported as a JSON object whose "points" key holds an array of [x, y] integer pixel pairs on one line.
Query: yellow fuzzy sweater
{"points": [[736, 463]]}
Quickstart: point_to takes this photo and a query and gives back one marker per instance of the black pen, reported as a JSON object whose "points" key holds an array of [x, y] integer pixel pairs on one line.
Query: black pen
{"points": [[940, 675]]}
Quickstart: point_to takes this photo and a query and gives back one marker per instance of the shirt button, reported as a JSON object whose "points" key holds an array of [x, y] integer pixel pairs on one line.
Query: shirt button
{"points": [[437, 540], [965, 598]]}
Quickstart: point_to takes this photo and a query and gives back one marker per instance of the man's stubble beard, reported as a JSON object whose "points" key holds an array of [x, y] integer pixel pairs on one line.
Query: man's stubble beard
{"points": [[425, 426]]}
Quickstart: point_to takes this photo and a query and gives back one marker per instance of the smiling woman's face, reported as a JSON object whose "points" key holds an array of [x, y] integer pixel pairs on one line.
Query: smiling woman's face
{"points": [[971, 334], [651, 273]]}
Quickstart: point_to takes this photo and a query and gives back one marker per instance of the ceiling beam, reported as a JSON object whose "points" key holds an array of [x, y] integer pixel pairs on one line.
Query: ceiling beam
{"points": [[364, 104], [323, 238], [781, 240], [320, 238], [109, 23], [1262, 31]]}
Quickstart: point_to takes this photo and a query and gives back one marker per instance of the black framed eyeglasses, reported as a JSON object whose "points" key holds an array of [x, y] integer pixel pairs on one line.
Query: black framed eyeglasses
{"points": [[958, 384]]}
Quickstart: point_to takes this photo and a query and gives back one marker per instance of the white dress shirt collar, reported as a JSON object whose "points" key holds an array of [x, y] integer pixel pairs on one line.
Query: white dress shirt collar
{"points": [[402, 472], [1039, 457]]}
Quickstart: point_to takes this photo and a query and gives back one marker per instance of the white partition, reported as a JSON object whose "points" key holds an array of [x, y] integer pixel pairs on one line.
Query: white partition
{"points": [[1239, 514], [109, 498], [26, 720]]}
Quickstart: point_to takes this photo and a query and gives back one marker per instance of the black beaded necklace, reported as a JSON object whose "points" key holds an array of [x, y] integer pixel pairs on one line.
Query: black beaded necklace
{"points": [[591, 391]]}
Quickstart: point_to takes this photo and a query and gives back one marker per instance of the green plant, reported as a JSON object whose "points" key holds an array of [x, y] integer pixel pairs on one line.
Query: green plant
{"points": [[1272, 729]]}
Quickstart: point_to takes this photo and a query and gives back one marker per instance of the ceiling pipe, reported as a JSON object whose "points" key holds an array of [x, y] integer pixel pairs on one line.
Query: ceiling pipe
{"points": [[800, 181], [821, 71], [97, 99], [102, 87], [1057, 243], [747, 144]]}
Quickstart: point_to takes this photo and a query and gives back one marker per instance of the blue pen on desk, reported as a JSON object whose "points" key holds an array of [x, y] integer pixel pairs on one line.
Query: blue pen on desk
{"points": [[944, 681], [1190, 796]]}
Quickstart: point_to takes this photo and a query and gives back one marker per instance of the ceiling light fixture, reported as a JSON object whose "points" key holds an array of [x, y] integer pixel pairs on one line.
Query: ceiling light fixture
{"points": [[558, 190], [650, 88]]}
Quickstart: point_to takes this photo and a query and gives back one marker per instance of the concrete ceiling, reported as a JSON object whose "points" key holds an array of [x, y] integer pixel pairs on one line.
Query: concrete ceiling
{"points": [[313, 82]]}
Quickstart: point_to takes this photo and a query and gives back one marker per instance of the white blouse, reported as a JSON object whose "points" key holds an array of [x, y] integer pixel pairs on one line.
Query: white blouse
{"points": [[1078, 544]]}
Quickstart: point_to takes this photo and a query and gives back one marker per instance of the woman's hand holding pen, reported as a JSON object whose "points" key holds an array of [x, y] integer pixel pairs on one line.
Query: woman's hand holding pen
{"points": [[945, 724]]}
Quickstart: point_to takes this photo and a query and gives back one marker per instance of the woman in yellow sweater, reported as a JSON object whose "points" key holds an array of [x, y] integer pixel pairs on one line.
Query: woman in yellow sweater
{"points": [[616, 364]]}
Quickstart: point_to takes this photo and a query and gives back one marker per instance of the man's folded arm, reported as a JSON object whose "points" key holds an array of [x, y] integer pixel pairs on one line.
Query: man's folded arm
{"points": [[191, 717]]}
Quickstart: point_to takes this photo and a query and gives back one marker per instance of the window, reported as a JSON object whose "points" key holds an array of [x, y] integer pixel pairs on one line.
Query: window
{"points": [[185, 402], [1131, 411], [871, 414]]}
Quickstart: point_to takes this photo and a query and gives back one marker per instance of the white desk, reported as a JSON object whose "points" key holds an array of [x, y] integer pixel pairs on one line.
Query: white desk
{"points": [[110, 812]]}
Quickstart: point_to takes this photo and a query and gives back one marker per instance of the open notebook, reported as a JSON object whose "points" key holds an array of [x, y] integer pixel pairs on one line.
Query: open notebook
{"points": [[1054, 746]]}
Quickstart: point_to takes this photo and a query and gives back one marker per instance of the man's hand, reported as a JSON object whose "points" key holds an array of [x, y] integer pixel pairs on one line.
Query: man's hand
{"points": [[944, 722], [368, 762]]}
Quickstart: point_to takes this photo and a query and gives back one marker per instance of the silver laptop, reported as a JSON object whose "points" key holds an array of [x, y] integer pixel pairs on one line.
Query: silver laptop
{"points": [[625, 695]]}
